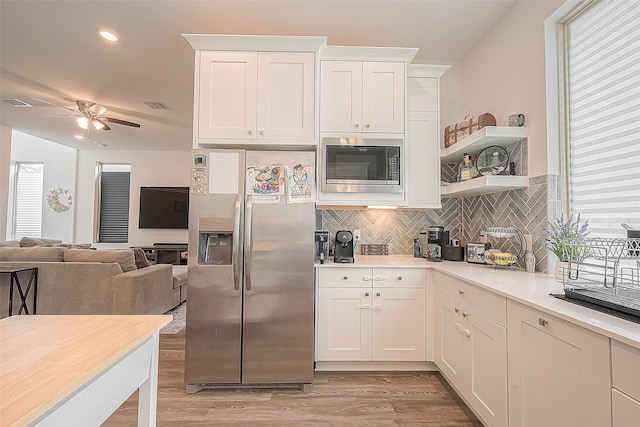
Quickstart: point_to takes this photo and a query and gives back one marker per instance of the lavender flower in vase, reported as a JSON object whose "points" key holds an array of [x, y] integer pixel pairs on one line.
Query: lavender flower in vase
{"points": [[566, 240]]}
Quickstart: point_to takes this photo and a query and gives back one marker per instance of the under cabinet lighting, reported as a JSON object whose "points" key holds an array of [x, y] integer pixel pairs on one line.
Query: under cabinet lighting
{"points": [[382, 207]]}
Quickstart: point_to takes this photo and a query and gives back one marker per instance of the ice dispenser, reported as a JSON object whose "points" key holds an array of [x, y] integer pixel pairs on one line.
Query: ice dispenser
{"points": [[215, 241]]}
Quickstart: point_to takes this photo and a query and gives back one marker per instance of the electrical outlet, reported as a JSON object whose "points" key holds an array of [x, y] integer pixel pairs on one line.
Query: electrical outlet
{"points": [[356, 234]]}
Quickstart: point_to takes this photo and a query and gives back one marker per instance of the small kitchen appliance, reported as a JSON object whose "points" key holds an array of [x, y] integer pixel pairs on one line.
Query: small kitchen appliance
{"points": [[321, 246], [475, 252], [453, 253], [437, 239], [343, 249]]}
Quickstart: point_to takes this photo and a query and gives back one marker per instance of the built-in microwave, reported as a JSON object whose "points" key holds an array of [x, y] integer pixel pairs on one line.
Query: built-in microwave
{"points": [[361, 165]]}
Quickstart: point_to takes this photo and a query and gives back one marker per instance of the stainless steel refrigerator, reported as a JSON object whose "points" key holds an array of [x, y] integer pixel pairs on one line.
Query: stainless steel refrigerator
{"points": [[250, 296]]}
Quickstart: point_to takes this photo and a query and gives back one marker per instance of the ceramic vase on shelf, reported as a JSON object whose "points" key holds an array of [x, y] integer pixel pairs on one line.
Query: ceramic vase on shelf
{"points": [[560, 270]]}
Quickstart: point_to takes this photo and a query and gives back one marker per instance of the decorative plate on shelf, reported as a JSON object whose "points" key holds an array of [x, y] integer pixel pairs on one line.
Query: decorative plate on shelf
{"points": [[492, 160]]}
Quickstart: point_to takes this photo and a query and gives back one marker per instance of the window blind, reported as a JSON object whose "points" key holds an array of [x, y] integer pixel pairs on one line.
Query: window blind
{"points": [[603, 83], [27, 218], [114, 207]]}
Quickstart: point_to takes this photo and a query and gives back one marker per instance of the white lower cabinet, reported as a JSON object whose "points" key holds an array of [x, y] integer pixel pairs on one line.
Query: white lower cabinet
{"points": [[471, 351], [559, 373], [367, 314], [625, 394]]}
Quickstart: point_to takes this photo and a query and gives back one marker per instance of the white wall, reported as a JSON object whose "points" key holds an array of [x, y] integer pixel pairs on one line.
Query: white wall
{"points": [[505, 74], [148, 168], [5, 167], [59, 172]]}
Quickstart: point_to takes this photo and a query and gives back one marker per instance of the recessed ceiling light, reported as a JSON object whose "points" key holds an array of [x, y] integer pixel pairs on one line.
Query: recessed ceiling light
{"points": [[108, 35]]}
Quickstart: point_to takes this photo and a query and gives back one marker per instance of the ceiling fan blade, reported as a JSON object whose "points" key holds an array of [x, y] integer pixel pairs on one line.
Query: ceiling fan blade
{"points": [[55, 105], [119, 122], [97, 109]]}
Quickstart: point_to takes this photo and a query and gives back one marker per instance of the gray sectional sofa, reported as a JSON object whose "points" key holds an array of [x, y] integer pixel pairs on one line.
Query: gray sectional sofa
{"points": [[84, 281]]}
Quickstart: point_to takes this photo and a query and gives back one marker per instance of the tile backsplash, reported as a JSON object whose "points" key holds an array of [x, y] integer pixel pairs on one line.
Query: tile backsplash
{"points": [[527, 209]]}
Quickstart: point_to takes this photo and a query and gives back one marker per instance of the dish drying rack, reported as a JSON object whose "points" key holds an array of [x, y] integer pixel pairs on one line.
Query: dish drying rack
{"points": [[606, 272], [505, 236]]}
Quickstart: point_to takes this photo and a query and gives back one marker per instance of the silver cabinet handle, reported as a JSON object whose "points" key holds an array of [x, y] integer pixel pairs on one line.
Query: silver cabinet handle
{"points": [[457, 310], [366, 294], [250, 132], [399, 277], [542, 322], [460, 291], [465, 315], [261, 132], [367, 125], [248, 243], [466, 333], [377, 294], [357, 125], [345, 277], [237, 264]]}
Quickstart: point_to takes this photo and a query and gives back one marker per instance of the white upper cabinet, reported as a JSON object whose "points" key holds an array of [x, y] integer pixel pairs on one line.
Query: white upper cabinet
{"points": [[262, 96], [360, 97]]}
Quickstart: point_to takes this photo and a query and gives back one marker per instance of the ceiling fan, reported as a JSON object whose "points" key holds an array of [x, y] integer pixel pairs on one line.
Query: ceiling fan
{"points": [[90, 113]]}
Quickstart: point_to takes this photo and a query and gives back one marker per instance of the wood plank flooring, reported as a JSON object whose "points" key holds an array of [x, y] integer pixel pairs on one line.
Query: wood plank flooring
{"points": [[338, 399]]}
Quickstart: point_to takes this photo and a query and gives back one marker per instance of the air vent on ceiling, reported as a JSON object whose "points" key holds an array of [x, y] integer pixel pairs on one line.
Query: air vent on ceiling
{"points": [[157, 105], [16, 103]]}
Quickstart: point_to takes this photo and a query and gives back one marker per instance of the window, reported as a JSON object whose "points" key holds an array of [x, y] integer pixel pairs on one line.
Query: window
{"points": [[602, 96], [28, 195], [113, 218]]}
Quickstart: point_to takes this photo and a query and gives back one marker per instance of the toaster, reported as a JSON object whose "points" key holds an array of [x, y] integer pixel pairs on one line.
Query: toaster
{"points": [[475, 252]]}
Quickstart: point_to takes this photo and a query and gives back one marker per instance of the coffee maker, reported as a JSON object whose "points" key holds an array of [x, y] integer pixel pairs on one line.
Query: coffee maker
{"points": [[343, 248], [437, 238], [322, 246]]}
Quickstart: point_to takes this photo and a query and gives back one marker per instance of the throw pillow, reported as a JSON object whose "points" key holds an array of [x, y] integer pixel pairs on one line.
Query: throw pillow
{"points": [[140, 257], [124, 257], [27, 242], [40, 254]]}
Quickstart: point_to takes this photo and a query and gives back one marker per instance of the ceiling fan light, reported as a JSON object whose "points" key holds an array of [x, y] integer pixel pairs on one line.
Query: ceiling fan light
{"points": [[83, 122], [97, 124]]}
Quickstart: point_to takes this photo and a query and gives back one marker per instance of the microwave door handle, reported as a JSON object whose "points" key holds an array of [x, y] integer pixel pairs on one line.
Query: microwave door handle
{"points": [[248, 243], [235, 260]]}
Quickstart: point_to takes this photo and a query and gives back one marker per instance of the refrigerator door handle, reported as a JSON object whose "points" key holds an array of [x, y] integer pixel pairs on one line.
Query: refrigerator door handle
{"points": [[237, 268], [248, 243]]}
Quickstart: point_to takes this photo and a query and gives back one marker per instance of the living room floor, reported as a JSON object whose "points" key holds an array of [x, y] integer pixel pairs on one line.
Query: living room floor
{"points": [[337, 399]]}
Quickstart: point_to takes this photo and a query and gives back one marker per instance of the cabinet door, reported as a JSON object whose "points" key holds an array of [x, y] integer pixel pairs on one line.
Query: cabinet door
{"points": [[398, 324], [383, 101], [286, 96], [626, 411], [227, 95], [341, 96], [422, 160], [344, 324], [486, 347], [559, 373], [450, 341]]}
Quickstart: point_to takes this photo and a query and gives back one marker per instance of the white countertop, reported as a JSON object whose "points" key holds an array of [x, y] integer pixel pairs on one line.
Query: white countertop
{"points": [[532, 289]]}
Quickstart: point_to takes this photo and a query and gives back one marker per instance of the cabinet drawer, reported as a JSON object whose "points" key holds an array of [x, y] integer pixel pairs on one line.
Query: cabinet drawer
{"points": [[396, 277], [344, 277], [626, 375], [484, 302], [626, 411]]}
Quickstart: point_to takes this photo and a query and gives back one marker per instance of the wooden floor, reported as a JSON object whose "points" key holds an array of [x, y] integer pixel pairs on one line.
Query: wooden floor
{"points": [[338, 399]]}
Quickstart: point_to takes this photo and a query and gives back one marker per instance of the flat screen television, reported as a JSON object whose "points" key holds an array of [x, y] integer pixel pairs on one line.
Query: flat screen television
{"points": [[164, 207]]}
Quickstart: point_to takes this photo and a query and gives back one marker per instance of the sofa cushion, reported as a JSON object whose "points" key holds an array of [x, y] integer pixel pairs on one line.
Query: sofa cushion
{"points": [[10, 244], [124, 257], [27, 242], [140, 257], [36, 253]]}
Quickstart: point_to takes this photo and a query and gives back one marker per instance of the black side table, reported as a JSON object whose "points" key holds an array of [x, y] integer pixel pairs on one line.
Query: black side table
{"points": [[15, 280]]}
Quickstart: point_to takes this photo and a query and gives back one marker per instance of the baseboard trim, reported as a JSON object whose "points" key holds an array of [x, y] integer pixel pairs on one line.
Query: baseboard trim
{"points": [[375, 366]]}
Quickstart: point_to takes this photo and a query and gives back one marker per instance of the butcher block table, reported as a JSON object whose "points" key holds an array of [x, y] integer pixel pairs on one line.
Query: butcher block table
{"points": [[77, 370]]}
